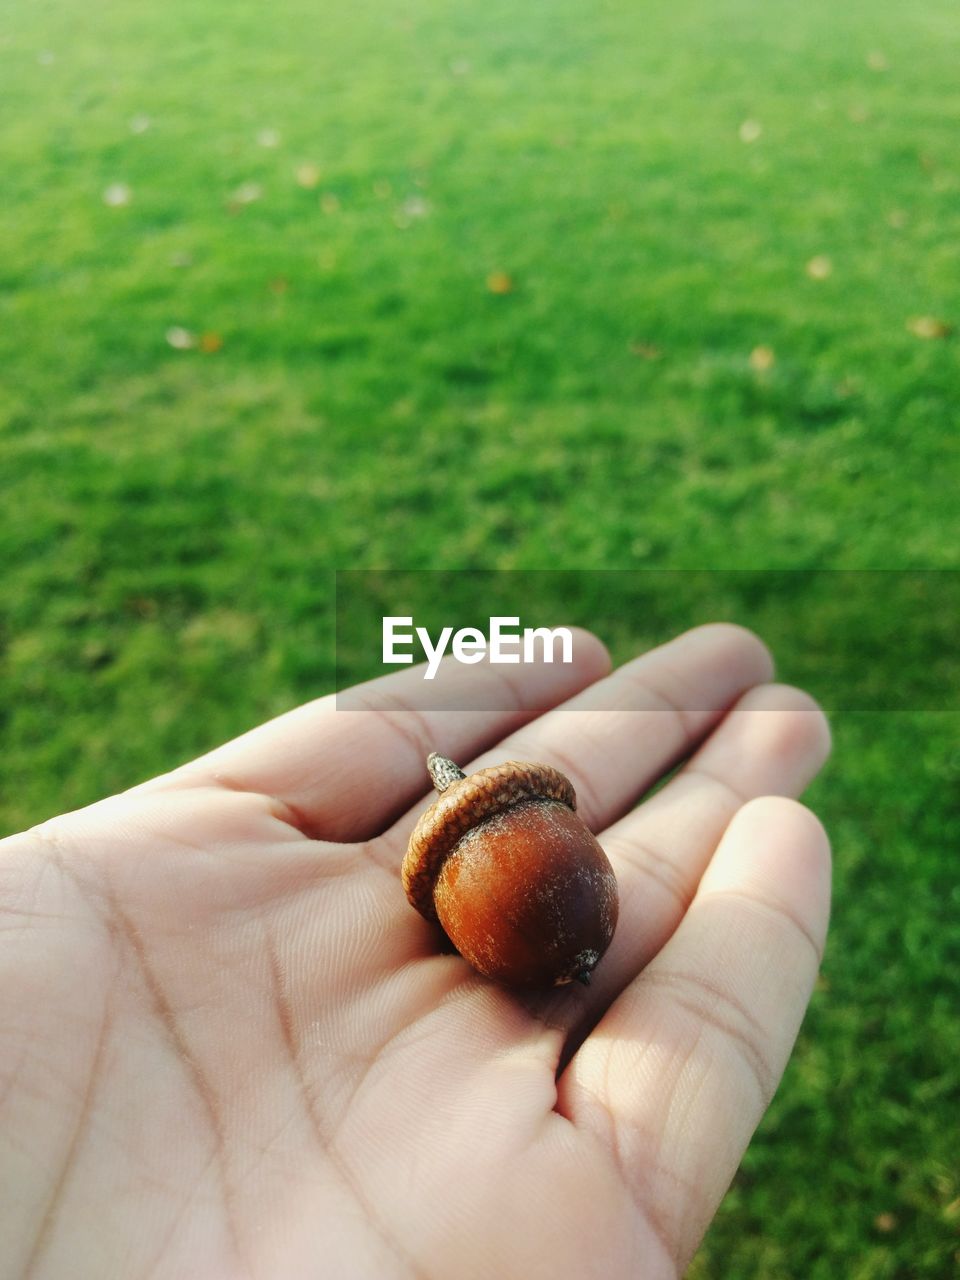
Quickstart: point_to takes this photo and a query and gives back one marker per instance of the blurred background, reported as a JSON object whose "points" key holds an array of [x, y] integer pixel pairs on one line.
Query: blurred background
{"points": [[294, 287]]}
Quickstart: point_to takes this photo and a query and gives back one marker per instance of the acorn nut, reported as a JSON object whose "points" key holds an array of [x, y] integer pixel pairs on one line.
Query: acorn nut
{"points": [[519, 884]]}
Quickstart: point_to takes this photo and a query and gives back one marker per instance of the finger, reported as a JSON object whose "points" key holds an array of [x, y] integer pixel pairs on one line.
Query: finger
{"points": [[617, 737], [345, 774], [680, 1070]]}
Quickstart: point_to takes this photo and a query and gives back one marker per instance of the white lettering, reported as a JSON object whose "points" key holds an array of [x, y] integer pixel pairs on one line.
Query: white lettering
{"points": [[532, 634], [469, 645], [391, 638], [434, 653], [498, 640]]}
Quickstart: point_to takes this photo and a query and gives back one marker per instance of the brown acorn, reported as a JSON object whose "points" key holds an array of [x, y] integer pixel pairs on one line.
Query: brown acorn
{"points": [[519, 884]]}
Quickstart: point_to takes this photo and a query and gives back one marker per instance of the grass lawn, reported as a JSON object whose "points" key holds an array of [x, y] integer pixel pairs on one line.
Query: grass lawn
{"points": [[291, 288]]}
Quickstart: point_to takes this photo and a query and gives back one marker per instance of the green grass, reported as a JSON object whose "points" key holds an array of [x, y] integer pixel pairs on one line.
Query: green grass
{"points": [[172, 518]]}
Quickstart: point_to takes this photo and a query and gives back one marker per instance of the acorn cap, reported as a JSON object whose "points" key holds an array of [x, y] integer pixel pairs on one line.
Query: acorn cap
{"points": [[461, 806]]}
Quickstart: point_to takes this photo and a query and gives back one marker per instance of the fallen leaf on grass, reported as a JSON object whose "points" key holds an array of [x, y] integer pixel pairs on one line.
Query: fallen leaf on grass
{"points": [[307, 175], [885, 1222], [762, 358], [820, 267], [211, 342], [500, 282], [646, 350], [929, 327], [117, 195], [181, 339]]}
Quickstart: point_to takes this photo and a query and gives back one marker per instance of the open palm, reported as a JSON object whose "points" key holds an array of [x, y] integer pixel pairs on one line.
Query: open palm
{"points": [[230, 1049]]}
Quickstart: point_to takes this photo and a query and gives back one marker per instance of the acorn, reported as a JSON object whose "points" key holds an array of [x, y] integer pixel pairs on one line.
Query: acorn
{"points": [[505, 864]]}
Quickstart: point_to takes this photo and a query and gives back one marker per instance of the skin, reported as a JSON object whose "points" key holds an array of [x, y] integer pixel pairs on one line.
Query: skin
{"points": [[231, 1050]]}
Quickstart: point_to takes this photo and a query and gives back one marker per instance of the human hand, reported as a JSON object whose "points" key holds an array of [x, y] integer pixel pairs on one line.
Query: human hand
{"points": [[232, 1051]]}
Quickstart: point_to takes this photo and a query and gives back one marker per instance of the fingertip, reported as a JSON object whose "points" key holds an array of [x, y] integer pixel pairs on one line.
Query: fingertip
{"points": [[794, 732], [739, 640], [591, 654], [811, 727], [778, 849], [784, 814]]}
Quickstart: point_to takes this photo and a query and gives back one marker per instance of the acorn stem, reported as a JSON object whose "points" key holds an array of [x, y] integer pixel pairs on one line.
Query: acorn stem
{"points": [[443, 772]]}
